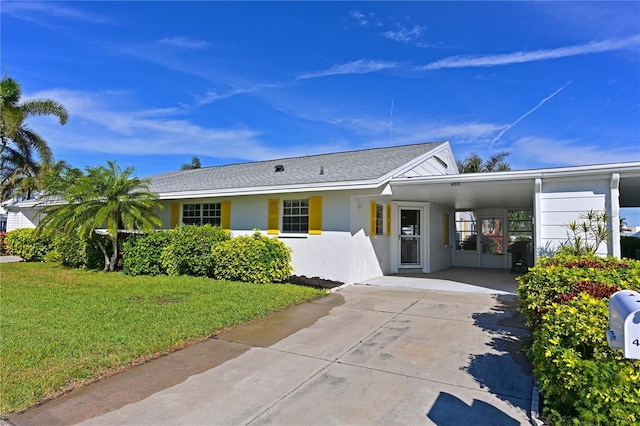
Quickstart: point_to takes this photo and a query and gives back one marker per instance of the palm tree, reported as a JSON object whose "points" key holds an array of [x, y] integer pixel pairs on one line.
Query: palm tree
{"points": [[104, 198], [474, 164], [19, 174], [15, 137], [195, 164]]}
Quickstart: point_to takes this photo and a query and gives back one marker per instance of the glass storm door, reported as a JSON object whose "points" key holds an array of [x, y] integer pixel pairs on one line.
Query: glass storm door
{"points": [[410, 235]]}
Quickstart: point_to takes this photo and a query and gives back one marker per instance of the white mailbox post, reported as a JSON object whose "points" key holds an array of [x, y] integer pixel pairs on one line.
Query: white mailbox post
{"points": [[624, 323]]}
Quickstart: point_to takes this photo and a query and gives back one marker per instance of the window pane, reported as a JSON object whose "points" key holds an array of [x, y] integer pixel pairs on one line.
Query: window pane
{"points": [[295, 216], [199, 214], [466, 234]]}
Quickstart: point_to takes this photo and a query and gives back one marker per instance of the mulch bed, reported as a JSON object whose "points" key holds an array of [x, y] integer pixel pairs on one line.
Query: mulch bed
{"points": [[315, 282]]}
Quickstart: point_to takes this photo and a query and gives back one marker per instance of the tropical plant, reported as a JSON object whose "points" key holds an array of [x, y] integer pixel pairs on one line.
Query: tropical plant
{"points": [[104, 198], [19, 173], [16, 139], [474, 163], [586, 234]]}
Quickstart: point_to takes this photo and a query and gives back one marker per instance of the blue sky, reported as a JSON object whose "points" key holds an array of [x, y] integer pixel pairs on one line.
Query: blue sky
{"points": [[151, 84]]}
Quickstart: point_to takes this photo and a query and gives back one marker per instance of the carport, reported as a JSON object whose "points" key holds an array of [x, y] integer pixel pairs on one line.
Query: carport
{"points": [[485, 205]]}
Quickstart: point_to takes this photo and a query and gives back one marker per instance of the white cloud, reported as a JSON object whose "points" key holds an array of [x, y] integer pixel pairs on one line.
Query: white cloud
{"points": [[361, 66], [35, 11], [404, 35], [98, 122], [184, 42], [536, 55], [546, 152]]}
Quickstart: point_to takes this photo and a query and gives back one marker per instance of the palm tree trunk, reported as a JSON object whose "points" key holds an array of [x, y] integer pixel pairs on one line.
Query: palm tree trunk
{"points": [[114, 256], [106, 256]]}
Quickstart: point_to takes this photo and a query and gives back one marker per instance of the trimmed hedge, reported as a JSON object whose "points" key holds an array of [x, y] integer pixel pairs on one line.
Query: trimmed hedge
{"points": [[582, 380], [191, 250], [141, 253], [24, 243], [75, 252], [252, 258], [3, 247]]}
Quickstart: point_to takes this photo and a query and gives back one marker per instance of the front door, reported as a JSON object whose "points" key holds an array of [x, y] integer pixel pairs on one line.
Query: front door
{"points": [[410, 237]]}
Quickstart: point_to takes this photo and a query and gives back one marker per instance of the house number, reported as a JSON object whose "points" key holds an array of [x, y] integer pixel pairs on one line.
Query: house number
{"points": [[455, 183], [636, 342]]}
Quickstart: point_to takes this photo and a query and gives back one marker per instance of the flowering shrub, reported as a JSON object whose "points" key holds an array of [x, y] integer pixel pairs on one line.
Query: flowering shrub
{"points": [[582, 380], [553, 276]]}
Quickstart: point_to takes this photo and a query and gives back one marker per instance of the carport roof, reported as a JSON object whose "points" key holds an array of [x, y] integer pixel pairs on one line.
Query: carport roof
{"points": [[513, 189]]}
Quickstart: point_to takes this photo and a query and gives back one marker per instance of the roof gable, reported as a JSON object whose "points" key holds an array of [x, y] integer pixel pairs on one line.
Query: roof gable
{"points": [[370, 165]]}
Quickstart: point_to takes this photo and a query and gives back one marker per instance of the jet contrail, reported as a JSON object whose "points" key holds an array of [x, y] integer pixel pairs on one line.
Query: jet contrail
{"points": [[542, 102]]}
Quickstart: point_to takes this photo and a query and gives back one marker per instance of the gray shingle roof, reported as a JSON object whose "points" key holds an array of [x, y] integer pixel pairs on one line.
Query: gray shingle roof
{"points": [[362, 165]]}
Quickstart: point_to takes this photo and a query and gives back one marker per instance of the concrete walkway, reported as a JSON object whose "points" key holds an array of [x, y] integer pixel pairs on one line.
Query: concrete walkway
{"points": [[364, 355]]}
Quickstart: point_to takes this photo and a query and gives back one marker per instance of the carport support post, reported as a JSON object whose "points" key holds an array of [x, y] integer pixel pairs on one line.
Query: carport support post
{"points": [[537, 221], [614, 239]]}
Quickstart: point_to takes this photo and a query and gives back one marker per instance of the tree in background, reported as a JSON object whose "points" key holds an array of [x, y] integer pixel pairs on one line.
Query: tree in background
{"points": [[17, 141], [474, 164], [195, 164], [103, 198]]}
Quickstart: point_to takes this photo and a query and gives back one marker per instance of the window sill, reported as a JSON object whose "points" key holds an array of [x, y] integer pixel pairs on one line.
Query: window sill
{"points": [[292, 235]]}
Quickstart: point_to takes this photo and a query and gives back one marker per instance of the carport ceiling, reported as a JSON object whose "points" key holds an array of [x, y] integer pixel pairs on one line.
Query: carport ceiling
{"points": [[515, 194]]}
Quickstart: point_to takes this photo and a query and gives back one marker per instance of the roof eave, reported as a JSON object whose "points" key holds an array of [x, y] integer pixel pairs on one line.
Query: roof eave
{"points": [[276, 189]]}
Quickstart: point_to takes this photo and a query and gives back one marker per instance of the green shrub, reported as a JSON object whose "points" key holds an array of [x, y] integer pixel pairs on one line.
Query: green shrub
{"points": [[582, 380], [24, 243], [252, 258], [76, 252], [190, 250], [141, 253], [553, 276], [3, 247]]}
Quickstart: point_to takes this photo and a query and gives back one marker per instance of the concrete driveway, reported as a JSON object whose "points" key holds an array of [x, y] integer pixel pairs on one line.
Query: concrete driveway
{"points": [[363, 355]]}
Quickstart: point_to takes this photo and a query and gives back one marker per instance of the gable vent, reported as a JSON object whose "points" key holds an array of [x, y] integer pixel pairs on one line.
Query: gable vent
{"points": [[442, 163], [279, 168]]}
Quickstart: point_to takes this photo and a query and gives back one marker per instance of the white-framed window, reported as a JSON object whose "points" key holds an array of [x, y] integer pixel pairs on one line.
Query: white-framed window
{"points": [[201, 214], [466, 232], [379, 219], [295, 216]]}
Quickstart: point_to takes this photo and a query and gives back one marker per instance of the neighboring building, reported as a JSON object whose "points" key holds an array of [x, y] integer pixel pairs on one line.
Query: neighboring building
{"points": [[355, 215]]}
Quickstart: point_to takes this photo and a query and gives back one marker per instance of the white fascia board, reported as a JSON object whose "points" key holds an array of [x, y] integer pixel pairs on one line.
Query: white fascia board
{"points": [[277, 189], [624, 169]]}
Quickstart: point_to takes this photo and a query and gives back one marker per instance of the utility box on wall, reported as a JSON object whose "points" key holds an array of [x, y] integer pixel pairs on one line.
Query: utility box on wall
{"points": [[624, 323]]}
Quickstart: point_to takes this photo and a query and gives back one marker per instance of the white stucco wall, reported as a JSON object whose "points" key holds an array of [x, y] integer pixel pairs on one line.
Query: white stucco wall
{"points": [[345, 250]]}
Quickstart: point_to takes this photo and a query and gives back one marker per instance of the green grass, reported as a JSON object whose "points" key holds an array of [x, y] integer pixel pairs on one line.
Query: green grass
{"points": [[60, 328]]}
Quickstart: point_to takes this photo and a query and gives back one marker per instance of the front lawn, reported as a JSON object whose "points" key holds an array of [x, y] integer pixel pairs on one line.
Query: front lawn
{"points": [[60, 328]]}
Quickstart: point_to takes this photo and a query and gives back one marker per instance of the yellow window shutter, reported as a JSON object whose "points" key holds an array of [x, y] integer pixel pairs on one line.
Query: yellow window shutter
{"points": [[372, 218], [175, 214], [273, 216], [315, 215], [225, 215], [388, 219]]}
